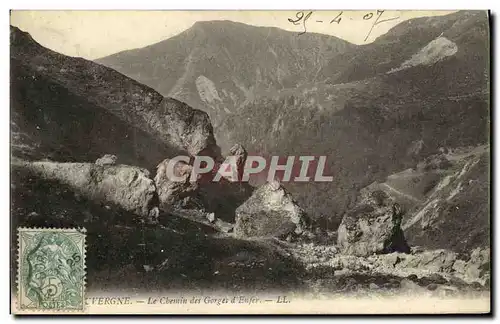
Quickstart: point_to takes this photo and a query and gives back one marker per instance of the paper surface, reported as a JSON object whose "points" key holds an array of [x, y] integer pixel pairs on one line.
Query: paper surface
{"points": [[250, 162]]}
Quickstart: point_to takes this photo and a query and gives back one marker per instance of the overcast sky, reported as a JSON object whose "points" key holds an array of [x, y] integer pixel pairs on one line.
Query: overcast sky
{"points": [[94, 34]]}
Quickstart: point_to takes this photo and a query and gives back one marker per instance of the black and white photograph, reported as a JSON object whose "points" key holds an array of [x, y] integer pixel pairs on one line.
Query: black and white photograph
{"points": [[250, 162]]}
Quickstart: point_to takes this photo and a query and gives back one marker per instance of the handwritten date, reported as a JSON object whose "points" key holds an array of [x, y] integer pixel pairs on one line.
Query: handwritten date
{"points": [[301, 18]]}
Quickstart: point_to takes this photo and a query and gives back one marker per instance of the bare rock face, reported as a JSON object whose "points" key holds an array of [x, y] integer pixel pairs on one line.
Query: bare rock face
{"points": [[372, 226], [270, 211], [241, 157], [125, 186], [188, 128], [174, 193], [107, 159], [478, 265]]}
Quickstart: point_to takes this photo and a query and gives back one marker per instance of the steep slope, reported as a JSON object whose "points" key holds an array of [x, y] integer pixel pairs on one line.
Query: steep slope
{"points": [[445, 198], [455, 214], [219, 65], [451, 39], [372, 109], [71, 109], [378, 122]]}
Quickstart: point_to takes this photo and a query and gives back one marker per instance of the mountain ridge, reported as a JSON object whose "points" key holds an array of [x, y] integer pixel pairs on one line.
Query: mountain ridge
{"points": [[246, 60], [139, 114]]}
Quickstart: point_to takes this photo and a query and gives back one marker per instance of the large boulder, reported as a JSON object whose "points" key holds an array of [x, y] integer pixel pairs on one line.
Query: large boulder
{"points": [[270, 212], [127, 187], [190, 129], [372, 226], [174, 193]]}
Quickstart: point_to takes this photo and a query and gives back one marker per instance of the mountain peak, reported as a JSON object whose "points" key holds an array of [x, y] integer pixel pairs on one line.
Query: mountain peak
{"points": [[219, 22]]}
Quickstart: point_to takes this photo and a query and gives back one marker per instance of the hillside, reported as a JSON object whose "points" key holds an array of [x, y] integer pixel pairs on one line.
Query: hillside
{"points": [[123, 255], [372, 127], [67, 109], [407, 131], [451, 39], [424, 83], [217, 66], [71, 109], [445, 198]]}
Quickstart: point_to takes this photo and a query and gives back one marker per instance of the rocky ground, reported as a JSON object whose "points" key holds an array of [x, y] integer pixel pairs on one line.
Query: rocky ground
{"points": [[421, 230], [193, 249]]}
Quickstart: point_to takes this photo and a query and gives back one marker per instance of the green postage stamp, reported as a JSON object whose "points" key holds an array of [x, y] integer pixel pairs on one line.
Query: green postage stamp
{"points": [[51, 269]]}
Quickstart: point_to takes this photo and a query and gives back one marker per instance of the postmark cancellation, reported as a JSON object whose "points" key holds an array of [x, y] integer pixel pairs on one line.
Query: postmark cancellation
{"points": [[51, 269]]}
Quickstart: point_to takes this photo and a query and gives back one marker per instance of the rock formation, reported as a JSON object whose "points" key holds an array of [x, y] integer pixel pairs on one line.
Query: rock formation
{"points": [[107, 159], [372, 226], [241, 155], [127, 187], [270, 211], [174, 193]]}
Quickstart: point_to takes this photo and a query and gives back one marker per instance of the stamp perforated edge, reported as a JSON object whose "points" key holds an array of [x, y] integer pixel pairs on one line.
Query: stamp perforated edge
{"points": [[18, 309]]}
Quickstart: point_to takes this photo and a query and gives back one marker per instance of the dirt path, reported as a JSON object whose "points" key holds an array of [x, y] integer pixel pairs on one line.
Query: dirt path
{"points": [[401, 193]]}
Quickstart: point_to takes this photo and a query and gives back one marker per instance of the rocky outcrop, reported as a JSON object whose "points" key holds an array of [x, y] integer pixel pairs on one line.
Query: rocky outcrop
{"points": [[190, 129], [477, 266], [372, 226], [124, 186], [174, 193], [238, 151], [96, 87], [270, 211], [107, 159]]}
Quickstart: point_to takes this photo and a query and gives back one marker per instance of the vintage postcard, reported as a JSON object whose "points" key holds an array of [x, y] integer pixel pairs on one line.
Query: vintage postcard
{"points": [[250, 162]]}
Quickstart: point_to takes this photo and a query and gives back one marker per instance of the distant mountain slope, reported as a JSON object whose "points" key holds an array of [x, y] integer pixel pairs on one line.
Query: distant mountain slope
{"points": [[70, 109], [377, 123], [218, 65], [372, 109], [466, 30]]}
